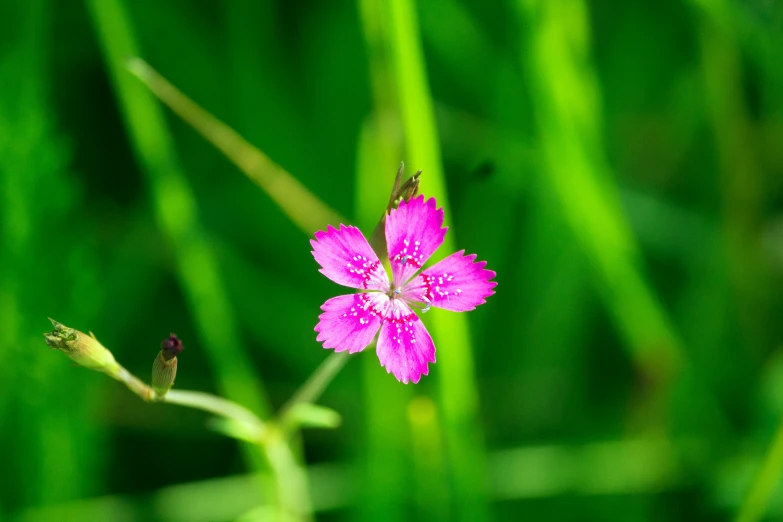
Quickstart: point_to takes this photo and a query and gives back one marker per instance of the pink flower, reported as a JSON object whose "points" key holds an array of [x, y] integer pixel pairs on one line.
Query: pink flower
{"points": [[349, 322]]}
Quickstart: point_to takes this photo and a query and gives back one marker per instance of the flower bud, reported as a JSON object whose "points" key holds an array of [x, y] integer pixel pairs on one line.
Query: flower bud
{"points": [[164, 369], [83, 349], [400, 191], [403, 191], [171, 347]]}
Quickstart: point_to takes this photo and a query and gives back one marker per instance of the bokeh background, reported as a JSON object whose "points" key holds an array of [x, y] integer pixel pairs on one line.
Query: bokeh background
{"points": [[617, 163]]}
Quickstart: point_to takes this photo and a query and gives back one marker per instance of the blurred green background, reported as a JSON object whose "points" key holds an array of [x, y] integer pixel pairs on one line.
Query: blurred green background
{"points": [[617, 163]]}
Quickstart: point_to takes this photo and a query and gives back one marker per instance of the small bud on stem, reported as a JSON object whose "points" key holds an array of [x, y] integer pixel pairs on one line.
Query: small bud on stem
{"points": [[164, 369], [83, 349]]}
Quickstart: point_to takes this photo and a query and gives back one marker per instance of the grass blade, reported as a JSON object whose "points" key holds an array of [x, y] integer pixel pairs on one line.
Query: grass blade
{"points": [[301, 206], [565, 97], [458, 397], [176, 212]]}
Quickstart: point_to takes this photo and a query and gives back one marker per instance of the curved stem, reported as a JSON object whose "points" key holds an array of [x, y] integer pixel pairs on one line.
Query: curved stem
{"points": [[196, 400], [136, 385], [217, 406], [290, 476]]}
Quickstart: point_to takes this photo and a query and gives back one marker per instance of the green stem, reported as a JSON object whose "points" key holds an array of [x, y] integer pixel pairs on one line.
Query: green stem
{"points": [[307, 212], [176, 212], [135, 384], [291, 480], [290, 475], [767, 478], [314, 386], [217, 406]]}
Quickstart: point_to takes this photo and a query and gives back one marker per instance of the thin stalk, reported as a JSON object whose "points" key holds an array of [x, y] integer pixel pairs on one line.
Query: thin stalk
{"points": [[755, 504], [305, 210], [133, 383], [314, 386], [177, 214], [291, 483], [196, 400], [290, 476], [301, 206], [217, 406]]}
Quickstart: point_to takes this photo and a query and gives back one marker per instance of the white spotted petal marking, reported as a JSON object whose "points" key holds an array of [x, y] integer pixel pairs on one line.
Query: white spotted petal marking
{"points": [[350, 322], [347, 259], [413, 232], [457, 283], [405, 347]]}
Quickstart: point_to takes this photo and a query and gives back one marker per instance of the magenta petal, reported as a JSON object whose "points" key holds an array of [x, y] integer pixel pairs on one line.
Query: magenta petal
{"points": [[457, 283], [404, 345], [347, 259], [413, 233], [349, 322]]}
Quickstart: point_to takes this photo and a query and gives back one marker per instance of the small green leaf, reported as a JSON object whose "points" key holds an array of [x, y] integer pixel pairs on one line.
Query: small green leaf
{"points": [[234, 429], [312, 416]]}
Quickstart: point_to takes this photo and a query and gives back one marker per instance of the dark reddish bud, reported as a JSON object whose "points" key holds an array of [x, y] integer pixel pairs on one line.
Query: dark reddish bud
{"points": [[171, 347]]}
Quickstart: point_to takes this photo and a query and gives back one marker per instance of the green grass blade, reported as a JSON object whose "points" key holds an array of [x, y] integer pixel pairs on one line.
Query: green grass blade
{"points": [[767, 479], [565, 97], [455, 372], [176, 212], [741, 180], [384, 399], [740, 175], [46, 409], [300, 205], [387, 447]]}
